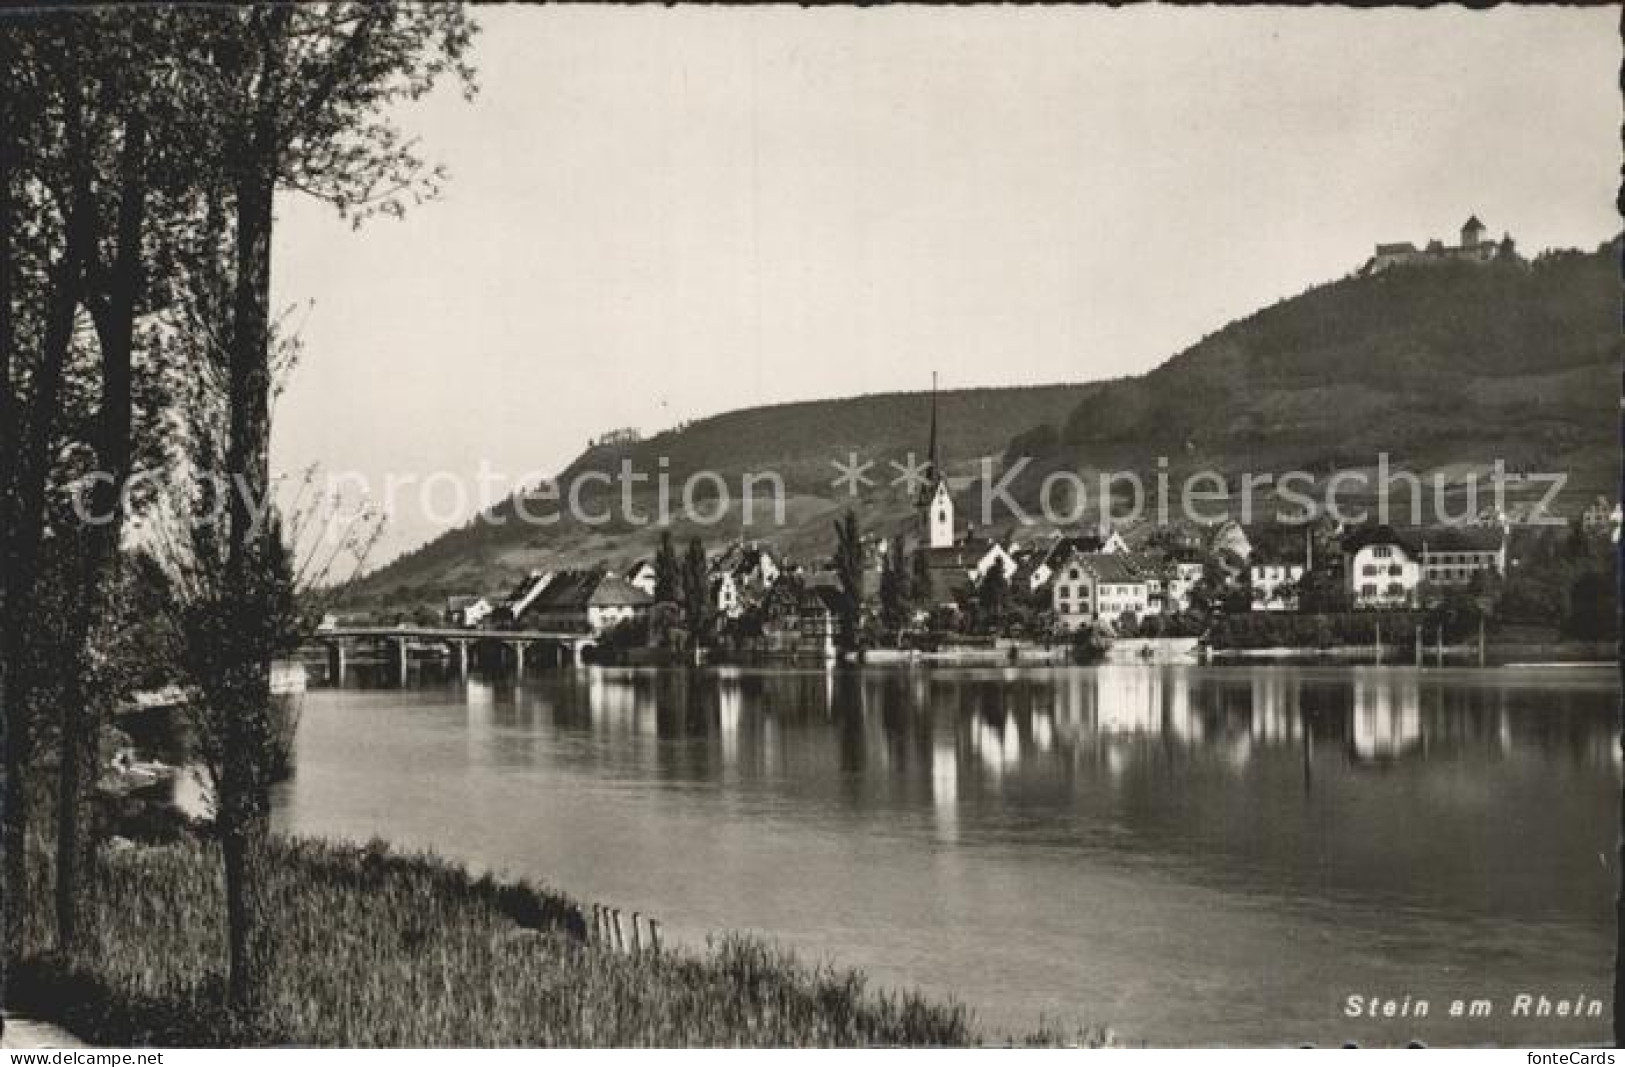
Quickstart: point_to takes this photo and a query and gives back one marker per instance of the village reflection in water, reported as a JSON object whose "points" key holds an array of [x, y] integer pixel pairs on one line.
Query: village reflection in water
{"points": [[1256, 764], [995, 722], [1032, 839]]}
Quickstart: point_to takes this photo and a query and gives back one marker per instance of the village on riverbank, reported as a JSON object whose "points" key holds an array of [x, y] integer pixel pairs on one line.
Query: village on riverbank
{"points": [[1522, 583]]}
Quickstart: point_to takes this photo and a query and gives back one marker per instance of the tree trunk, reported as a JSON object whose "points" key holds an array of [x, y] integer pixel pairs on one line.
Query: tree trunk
{"points": [[87, 688], [10, 904], [240, 682], [244, 815], [25, 537]]}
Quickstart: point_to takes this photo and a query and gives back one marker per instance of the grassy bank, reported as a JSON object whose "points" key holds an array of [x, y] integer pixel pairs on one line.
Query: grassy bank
{"points": [[379, 949]]}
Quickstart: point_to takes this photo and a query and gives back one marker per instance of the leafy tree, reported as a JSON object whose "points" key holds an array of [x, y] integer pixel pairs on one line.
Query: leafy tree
{"points": [[993, 599], [49, 206], [665, 622], [695, 587], [849, 573], [1593, 613], [1321, 590], [286, 97], [667, 572], [920, 585], [896, 593]]}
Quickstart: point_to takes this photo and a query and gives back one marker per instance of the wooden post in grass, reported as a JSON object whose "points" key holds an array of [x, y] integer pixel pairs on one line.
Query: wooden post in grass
{"points": [[620, 934], [637, 940], [598, 924], [654, 937]]}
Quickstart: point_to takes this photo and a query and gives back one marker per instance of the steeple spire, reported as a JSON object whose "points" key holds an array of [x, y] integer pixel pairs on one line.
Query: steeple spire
{"points": [[930, 485], [932, 453]]}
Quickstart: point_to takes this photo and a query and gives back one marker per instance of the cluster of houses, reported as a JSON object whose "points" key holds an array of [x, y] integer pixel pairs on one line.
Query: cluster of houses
{"points": [[597, 599], [1103, 579]]}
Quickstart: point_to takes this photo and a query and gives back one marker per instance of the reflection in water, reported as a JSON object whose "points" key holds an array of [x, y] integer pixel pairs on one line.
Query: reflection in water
{"points": [[1188, 854], [1000, 723]]}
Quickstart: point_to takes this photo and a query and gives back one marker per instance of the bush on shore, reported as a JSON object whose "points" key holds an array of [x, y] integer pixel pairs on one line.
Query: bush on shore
{"points": [[381, 949]]}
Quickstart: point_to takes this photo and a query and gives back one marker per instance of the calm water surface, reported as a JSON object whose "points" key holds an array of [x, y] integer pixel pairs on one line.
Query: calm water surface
{"points": [[1189, 855]]}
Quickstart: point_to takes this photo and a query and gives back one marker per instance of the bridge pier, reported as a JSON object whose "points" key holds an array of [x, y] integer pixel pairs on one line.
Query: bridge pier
{"points": [[335, 662], [400, 660], [474, 649]]}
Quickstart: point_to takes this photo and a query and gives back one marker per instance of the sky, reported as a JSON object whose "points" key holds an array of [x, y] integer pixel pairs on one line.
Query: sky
{"points": [[653, 215]]}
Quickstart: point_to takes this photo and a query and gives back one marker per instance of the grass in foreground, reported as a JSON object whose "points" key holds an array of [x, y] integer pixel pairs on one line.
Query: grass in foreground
{"points": [[378, 949]]}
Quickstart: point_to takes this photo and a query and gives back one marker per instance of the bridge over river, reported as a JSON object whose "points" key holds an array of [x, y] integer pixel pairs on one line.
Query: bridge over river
{"points": [[568, 647]]}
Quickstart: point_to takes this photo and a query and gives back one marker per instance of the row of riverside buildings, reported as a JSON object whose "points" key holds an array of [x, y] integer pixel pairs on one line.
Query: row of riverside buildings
{"points": [[1102, 578]]}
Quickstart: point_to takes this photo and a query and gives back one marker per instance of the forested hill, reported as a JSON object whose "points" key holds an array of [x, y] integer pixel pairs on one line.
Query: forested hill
{"points": [[1431, 364], [798, 442]]}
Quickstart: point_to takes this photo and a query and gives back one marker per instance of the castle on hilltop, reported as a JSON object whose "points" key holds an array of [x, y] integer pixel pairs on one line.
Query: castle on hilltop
{"points": [[1476, 247]]}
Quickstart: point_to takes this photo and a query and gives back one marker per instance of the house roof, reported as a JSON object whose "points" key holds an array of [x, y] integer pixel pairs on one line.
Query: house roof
{"points": [[1064, 548], [752, 559], [524, 594], [739, 559], [1361, 536], [960, 557], [568, 591], [527, 584], [1414, 539], [1456, 538], [1114, 569], [1395, 249], [1472, 223], [1145, 564], [820, 598]]}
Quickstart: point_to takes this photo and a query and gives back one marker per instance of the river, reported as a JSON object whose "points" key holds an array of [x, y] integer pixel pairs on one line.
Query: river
{"points": [[1187, 855]]}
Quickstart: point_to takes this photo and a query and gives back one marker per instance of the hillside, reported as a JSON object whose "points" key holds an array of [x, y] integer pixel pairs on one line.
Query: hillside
{"points": [[1443, 368], [797, 441]]}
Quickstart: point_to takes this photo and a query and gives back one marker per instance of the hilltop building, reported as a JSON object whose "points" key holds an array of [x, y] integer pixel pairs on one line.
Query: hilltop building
{"points": [[1475, 247], [625, 435]]}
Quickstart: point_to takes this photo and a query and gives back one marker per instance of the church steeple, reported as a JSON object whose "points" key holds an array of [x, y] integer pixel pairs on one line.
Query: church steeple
{"points": [[935, 504], [931, 450]]}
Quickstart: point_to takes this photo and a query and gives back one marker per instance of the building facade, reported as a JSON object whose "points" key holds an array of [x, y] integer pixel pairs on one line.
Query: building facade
{"points": [[1098, 589]]}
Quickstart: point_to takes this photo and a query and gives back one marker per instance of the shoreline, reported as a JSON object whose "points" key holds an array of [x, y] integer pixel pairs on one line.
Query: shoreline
{"points": [[373, 922]]}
